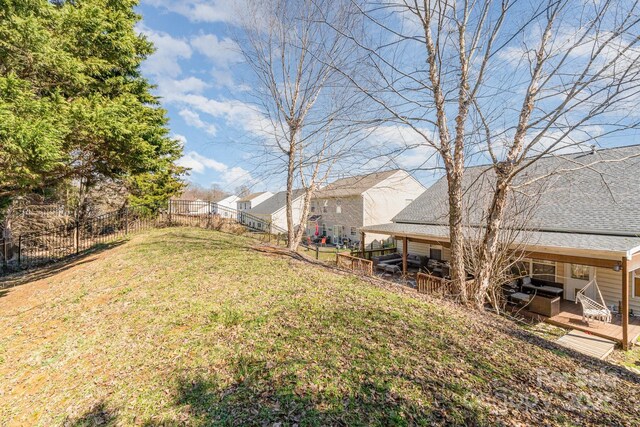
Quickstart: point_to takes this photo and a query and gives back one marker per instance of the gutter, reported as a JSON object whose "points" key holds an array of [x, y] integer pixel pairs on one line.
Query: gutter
{"points": [[628, 253], [631, 252], [547, 230]]}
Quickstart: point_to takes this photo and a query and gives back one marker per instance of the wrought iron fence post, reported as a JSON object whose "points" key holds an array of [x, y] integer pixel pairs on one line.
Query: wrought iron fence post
{"points": [[77, 236], [4, 253]]}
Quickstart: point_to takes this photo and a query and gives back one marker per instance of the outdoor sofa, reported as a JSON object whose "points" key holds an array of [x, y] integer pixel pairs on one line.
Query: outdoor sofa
{"points": [[392, 263]]}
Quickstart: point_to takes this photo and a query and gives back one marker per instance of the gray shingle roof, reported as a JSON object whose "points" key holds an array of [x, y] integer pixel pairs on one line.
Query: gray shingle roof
{"points": [[353, 185], [588, 193], [274, 203], [538, 238], [250, 197]]}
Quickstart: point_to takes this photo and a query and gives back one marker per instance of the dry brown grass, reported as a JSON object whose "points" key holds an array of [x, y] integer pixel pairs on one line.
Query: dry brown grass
{"points": [[193, 327]]}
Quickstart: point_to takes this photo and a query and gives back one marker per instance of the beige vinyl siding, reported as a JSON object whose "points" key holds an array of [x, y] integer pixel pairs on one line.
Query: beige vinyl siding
{"points": [[610, 284], [424, 249], [386, 199], [560, 274], [415, 248]]}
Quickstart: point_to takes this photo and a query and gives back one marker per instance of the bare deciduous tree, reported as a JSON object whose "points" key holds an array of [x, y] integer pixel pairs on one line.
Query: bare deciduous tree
{"points": [[506, 82], [295, 58], [578, 74]]}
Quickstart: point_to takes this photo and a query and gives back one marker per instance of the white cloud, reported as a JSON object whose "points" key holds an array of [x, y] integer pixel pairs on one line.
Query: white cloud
{"points": [[229, 176], [193, 119], [222, 52], [169, 50], [236, 113], [182, 140], [174, 89], [237, 176], [199, 163], [203, 10]]}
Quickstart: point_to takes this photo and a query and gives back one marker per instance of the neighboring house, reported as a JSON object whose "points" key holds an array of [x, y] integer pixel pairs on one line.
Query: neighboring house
{"points": [[227, 207], [252, 200], [583, 223], [273, 211], [249, 202], [339, 209], [197, 207]]}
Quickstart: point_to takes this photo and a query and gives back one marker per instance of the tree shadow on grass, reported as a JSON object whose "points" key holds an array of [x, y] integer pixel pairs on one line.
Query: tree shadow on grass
{"points": [[184, 241], [55, 267], [587, 361], [98, 415], [259, 397]]}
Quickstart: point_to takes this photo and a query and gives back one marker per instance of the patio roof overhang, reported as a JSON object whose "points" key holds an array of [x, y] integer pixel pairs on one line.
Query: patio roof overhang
{"points": [[622, 253], [593, 246]]}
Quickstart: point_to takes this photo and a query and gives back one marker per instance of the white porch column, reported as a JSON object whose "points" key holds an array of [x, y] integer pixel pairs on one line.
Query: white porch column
{"points": [[625, 304]]}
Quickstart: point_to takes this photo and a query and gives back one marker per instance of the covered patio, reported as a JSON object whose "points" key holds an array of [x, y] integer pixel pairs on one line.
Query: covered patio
{"points": [[617, 255], [570, 316]]}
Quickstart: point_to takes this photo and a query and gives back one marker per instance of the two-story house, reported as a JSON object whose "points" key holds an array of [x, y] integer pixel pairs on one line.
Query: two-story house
{"points": [[273, 211], [248, 202], [252, 200], [339, 209]]}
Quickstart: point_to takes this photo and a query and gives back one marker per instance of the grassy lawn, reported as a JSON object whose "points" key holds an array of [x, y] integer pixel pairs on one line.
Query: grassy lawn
{"points": [[327, 255], [192, 327]]}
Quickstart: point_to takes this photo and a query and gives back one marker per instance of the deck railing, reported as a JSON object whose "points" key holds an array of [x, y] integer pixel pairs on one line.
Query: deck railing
{"points": [[434, 285], [371, 253], [355, 264]]}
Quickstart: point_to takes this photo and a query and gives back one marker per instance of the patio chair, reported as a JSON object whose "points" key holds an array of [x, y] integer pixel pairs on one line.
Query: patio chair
{"points": [[593, 309], [323, 242]]}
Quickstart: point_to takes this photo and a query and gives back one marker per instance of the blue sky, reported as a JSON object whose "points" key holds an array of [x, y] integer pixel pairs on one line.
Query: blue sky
{"points": [[207, 90], [198, 73]]}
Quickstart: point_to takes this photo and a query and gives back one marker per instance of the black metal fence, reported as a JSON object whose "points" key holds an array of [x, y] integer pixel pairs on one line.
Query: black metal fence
{"points": [[38, 248], [191, 212], [35, 249]]}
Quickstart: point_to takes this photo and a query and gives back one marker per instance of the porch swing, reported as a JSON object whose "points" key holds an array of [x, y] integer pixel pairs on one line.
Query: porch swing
{"points": [[594, 307]]}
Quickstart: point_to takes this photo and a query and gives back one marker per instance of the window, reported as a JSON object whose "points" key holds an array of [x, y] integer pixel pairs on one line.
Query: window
{"points": [[338, 209], [436, 253], [324, 229], [354, 231], [543, 270], [580, 272], [521, 268], [636, 285]]}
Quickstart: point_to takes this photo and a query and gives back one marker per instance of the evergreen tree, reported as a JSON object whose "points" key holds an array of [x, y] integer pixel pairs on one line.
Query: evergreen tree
{"points": [[73, 104]]}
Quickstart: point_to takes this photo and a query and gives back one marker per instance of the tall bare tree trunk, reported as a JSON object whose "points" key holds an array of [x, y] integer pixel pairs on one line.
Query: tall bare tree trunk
{"points": [[489, 247], [305, 214], [291, 241], [456, 233]]}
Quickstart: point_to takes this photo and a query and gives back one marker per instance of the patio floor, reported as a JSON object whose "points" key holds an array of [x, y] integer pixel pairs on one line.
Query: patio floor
{"points": [[571, 317]]}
